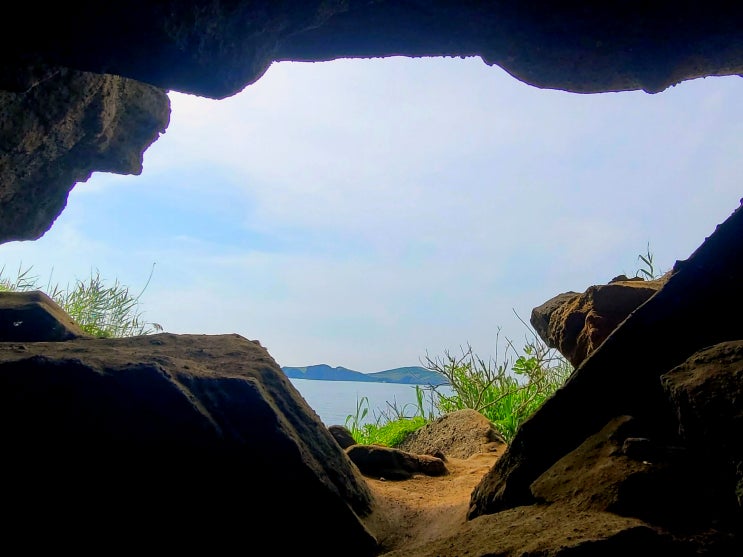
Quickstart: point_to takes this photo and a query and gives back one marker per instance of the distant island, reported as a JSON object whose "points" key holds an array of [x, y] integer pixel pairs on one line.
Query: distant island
{"points": [[415, 375]]}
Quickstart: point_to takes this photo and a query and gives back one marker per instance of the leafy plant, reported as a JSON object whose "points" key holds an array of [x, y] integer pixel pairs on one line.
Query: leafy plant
{"points": [[647, 271], [100, 310], [507, 393]]}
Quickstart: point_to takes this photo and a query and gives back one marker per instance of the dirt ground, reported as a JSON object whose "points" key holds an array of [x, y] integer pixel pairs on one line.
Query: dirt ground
{"points": [[425, 508]]}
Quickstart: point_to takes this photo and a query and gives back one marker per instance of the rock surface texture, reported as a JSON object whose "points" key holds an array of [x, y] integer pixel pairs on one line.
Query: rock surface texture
{"points": [[63, 115], [61, 131], [459, 434], [178, 442], [576, 324]]}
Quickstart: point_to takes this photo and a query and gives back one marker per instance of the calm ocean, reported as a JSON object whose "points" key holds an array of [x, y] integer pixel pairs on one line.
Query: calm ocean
{"points": [[333, 401]]}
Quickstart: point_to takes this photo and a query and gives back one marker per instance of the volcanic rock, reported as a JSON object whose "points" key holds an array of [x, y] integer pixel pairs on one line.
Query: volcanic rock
{"points": [[173, 442], [459, 434], [576, 324]]}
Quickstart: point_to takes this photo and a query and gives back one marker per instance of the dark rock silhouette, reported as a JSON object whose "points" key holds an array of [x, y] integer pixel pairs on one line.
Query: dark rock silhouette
{"points": [[169, 441], [200, 443], [393, 464]]}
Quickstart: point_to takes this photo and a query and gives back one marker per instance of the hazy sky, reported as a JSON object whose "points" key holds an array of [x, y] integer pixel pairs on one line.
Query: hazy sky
{"points": [[364, 213]]}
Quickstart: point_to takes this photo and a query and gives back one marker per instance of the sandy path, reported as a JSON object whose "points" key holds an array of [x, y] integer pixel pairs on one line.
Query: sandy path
{"points": [[423, 508]]}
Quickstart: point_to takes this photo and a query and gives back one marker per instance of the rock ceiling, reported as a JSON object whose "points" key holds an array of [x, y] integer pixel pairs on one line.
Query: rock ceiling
{"points": [[83, 88]]}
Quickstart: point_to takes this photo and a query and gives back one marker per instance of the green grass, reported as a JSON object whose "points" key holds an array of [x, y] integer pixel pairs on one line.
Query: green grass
{"points": [[390, 425], [507, 392], [100, 309]]}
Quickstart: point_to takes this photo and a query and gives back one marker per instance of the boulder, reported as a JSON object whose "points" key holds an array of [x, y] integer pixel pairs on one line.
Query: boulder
{"points": [[342, 436], [34, 317], [706, 393], [388, 463], [459, 434], [171, 442], [576, 324]]}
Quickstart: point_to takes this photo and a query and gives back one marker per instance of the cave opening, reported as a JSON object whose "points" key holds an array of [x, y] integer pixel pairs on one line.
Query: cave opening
{"points": [[363, 212]]}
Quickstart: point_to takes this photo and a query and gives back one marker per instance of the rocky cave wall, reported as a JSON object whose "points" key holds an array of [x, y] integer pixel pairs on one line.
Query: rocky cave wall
{"points": [[83, 88]]}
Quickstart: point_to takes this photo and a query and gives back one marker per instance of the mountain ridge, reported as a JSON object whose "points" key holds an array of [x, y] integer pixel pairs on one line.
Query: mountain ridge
{"points": [[410, 375]]}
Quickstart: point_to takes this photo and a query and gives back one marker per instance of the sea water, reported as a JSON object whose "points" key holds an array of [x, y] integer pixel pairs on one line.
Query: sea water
{"points": [[334, 401]]}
